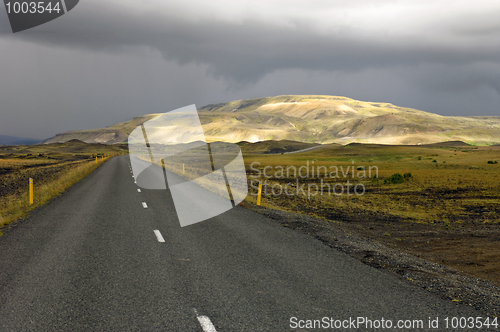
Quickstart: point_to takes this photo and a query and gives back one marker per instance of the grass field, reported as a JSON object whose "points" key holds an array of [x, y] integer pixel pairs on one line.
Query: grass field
{"points": [[446, 209], [448, 184], [53, 168]]}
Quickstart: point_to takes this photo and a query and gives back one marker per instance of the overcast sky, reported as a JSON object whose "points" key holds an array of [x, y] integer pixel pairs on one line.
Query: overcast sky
{"points": [[107, 61]]}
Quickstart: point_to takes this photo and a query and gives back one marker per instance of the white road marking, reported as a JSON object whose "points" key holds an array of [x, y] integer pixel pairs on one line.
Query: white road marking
{"points": [[158, 236], [144, 205], [205, 322], [138, 190]]}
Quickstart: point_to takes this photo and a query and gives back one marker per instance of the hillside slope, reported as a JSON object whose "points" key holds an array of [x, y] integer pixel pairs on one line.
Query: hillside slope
{"points": [[318, 119], [117, 133]]}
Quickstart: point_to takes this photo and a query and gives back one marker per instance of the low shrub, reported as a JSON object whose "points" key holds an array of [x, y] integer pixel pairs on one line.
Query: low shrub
{"points": [[394, 179]]}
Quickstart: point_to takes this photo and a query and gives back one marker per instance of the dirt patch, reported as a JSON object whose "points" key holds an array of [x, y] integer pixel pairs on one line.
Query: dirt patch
{"points": [[459, 266], [473, 249]]}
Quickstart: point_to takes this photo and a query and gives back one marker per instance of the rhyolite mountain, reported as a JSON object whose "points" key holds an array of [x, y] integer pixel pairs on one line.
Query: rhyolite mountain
{"points": [[316, 119]]}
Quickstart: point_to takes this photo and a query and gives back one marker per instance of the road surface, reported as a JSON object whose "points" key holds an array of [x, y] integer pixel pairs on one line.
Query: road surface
{"points": [[304, 150], [106, 257]]}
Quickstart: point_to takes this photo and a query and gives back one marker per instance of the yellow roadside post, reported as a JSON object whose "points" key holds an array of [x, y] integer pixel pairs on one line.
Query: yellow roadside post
{"points": [[259, 194], [183, 169], [31, 191], [96, 159]]}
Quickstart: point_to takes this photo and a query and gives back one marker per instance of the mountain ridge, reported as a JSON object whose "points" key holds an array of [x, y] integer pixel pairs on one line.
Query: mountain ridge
{"points": [[317, 119]]}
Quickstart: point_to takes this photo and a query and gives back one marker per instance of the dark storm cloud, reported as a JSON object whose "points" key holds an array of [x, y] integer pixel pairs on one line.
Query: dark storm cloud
{"points": [[463, 78], [246, 50], [108, 61]]}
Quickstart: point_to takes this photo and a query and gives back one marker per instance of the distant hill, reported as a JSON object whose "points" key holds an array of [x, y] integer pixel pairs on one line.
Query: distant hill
{"points": [[117, 133], [450, 144], [317, 119], [12, 140], [77, 149]]}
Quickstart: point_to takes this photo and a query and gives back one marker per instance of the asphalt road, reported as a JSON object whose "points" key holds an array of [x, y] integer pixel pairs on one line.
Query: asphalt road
{"points": [[91, 260]]}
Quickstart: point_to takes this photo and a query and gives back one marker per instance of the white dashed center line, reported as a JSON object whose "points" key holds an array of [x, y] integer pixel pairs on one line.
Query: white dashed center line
{"points": [[138, 190], [205, 322], [144, 205], [158, 236]]}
